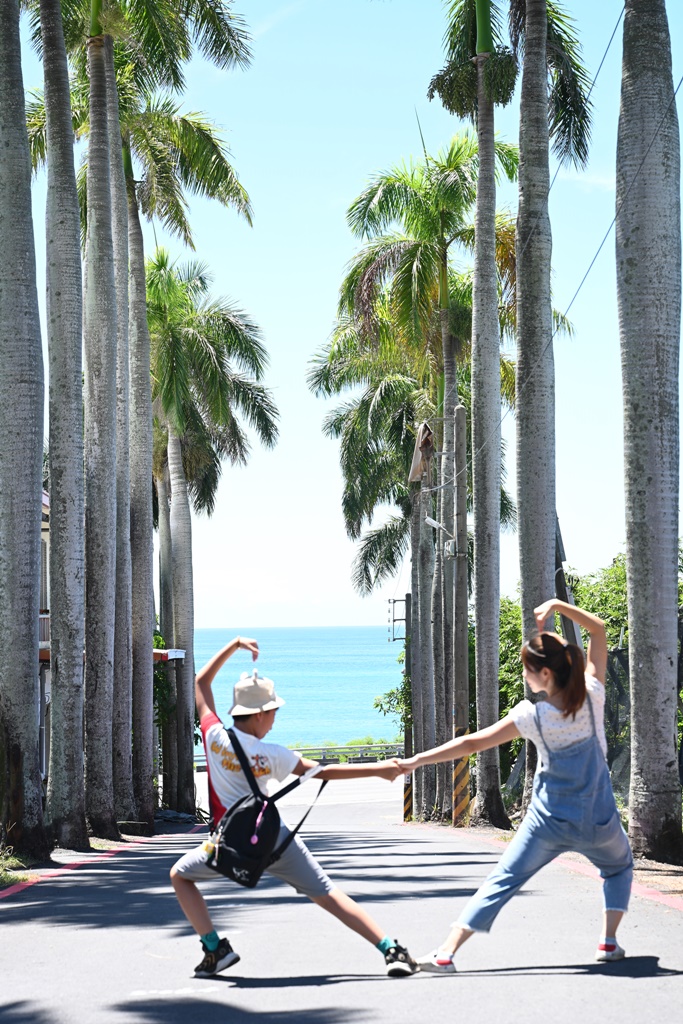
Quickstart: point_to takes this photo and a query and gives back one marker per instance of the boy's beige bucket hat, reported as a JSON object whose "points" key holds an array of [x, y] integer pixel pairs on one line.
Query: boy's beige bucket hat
{"points": [[254, 693]]}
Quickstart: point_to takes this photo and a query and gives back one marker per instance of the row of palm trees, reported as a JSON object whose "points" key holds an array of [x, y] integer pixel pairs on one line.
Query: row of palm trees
{"points": [[419, 337], [111, 68]]}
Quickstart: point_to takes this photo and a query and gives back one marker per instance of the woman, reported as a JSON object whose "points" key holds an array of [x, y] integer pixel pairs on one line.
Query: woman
{"points": [[572, 807]]}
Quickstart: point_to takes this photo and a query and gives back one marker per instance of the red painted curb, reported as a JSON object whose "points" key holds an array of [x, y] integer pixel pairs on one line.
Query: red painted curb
{"points": [[20, 886]]}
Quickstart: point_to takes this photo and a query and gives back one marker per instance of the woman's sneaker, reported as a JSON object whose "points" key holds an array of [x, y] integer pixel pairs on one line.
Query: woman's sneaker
{"points": [[609, 949], [436, 962], [399, 961], [223, 956]]}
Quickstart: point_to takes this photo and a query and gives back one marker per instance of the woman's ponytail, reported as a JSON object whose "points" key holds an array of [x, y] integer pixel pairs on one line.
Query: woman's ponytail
{"points": [[575, 688]]}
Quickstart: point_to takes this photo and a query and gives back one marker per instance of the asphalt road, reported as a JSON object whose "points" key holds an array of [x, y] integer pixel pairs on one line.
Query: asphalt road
{"points": [[105, 941]]}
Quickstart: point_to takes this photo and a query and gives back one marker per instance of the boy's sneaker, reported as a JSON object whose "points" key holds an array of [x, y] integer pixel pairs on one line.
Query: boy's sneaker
{"points": [[399, 961], [609, 950], [221, 957], [436, 962]]}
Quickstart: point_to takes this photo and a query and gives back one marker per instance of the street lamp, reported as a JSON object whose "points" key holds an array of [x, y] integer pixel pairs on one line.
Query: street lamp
{"points": [[449, 545]]}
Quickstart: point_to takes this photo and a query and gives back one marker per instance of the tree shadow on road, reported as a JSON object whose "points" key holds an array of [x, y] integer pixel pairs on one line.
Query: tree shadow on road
{"points": [[630, 967], [24, 1012], [132, 889], [180, 1011]]}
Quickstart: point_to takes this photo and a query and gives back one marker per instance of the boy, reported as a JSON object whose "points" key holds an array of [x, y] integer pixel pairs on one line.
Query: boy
{"points": [[254, 708]]}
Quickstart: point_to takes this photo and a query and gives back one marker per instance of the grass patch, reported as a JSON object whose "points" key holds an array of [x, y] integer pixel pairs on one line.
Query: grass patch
{"points": [[12, 868]]}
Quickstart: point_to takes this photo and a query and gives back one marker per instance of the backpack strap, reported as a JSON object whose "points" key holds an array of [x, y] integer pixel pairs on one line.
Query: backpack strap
{"points": [[246, 767], [283, 845]]}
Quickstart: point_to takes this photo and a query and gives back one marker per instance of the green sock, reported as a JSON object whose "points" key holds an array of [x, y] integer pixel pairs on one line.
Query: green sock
{"points": [[385, 944], [210, 940]]}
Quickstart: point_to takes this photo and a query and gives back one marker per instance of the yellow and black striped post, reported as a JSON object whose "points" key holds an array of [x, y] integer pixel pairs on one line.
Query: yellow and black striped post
{"points": [[408, 798], [461, 786]]}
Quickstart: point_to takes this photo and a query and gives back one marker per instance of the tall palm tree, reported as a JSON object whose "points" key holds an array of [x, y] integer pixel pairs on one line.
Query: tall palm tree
{"points": [[376, 429], [99, 338], [480, 72], [195, 342], [648, 250], [166, 153], [122, 718], [553, 105], [66, 793], [428, 201], [159, 39], [21, 429], [489, 74]]}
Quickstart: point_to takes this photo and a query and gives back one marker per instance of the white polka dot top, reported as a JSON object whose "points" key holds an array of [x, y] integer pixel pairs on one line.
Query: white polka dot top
{"points": [[558, 731]]}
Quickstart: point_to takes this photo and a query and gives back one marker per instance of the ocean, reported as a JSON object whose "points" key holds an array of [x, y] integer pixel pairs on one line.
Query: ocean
{"points": [[328, 676]]}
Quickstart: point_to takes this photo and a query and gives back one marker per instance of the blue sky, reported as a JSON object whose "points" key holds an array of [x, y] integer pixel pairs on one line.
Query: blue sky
{"points": [[332, 97]]}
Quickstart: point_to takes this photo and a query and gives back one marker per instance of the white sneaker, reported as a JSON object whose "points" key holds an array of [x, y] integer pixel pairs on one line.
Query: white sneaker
{"points": [[436, 962], [609, 950]]}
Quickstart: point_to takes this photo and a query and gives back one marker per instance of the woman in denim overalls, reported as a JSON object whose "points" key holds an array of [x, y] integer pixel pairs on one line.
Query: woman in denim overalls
{"points": [[572, 807]]}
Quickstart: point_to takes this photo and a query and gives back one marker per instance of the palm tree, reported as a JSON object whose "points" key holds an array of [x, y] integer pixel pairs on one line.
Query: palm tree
{"points": [[471, 45], [648, 250], [480, 72], [122, 718], [376, 429], [159, 38], [65, 795], [429, 201], [166, 153], [194, 342], [553, 105], [21, 429]]}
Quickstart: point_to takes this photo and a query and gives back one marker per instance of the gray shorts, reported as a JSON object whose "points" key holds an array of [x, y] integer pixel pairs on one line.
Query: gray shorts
{"points": [[297, 866]]}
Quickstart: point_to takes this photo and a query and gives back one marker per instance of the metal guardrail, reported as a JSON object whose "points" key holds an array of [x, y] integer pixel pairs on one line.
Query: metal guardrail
{"points": [[354, 754]]}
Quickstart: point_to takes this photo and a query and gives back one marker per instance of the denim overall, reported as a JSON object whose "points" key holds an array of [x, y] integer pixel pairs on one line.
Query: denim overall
{"points": [[572, 808]]}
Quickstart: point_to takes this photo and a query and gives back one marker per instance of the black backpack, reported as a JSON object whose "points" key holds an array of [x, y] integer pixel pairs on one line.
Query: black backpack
{"points": [[244, 841]]}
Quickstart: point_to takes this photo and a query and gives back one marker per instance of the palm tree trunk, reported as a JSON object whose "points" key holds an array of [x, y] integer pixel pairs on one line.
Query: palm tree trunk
{"points": [[169, 738], [535, 389], [416, 688], [66, 789], [486, 478], [122, 718], [141, 524], [448, 520], [461, 666], [438, 658], [183, 621], [426, 564], [100, 461], [648, 248], [21, 455]]}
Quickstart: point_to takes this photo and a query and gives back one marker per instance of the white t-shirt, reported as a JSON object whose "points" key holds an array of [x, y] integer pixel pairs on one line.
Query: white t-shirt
{"points": [[558, 731], [269, 761]]}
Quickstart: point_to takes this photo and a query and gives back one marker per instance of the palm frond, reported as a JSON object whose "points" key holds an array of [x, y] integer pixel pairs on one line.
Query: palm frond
{"points": [[219, 34], [569, 108], [397, 196], [380, 554]]}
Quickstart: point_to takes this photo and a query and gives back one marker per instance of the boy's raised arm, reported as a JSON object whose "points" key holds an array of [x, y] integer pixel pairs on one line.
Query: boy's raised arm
{"points": [[205, 677]]}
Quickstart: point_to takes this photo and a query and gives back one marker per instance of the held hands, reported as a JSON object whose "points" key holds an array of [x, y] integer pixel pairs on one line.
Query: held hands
{"points": [[244, 643], [407, 765]]}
